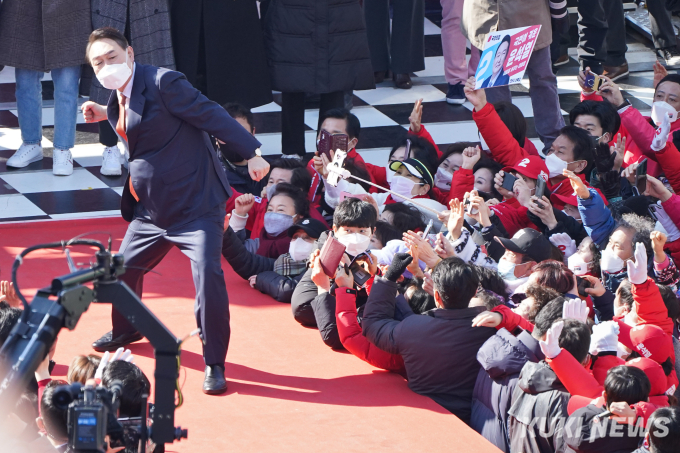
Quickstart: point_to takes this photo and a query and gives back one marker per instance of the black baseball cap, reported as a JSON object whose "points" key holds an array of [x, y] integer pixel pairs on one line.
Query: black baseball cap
{"points": [[312, 227], [528, 242], [416, 168]]}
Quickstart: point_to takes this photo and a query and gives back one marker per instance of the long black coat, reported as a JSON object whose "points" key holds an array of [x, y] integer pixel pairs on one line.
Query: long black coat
{"points": [[317, 46], [235, 58]]}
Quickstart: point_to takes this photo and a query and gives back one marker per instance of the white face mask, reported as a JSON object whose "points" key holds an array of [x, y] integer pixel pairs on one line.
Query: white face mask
{"points": [[506, 269], [355, 243], [610, 262], [660, 109], [555, 165], [300, 249], [442, 179], [114, 76], [577, 264], [403, 186]]}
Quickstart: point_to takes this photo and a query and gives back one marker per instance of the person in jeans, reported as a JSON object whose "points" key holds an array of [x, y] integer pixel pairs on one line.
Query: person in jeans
{"points": [[480, 17], [456, 67], [37, 36]]}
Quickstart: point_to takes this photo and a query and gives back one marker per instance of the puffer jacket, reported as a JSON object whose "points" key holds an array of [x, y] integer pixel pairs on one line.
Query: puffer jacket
{"points": [[585, 436], [317, 46], [502, 358], [539, 411]]}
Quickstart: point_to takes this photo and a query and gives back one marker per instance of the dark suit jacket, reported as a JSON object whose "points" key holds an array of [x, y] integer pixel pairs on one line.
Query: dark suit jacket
{"points": [[503, 79], [173, 166]]}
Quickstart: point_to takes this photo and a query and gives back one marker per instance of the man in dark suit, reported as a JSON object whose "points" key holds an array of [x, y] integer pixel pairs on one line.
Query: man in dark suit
{"points": [[176, 192]]}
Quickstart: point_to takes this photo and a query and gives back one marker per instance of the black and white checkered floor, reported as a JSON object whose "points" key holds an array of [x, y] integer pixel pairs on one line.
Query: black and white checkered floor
{"points": [[34, 193]]}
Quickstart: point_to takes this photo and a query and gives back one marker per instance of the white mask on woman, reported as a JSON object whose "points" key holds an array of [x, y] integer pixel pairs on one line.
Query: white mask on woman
{"points": [[442, 179], [403, 186], [300, 249]]}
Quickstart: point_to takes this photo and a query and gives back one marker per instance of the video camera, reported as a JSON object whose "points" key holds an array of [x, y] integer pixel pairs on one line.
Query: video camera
{"points": [[92, 411]]}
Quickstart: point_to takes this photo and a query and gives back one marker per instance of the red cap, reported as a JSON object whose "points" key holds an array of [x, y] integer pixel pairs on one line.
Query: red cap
{"points": [[652, 342], [564, 199], [530, 166], [654, 372]]}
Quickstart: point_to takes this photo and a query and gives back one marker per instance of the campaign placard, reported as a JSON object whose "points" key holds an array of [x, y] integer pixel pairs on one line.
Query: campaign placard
{"points": [[506, 56]]}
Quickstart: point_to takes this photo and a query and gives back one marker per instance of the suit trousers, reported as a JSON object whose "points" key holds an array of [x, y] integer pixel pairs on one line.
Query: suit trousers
{"points": [[401, 49], [145, 245], [544, 100], [293, 118]]}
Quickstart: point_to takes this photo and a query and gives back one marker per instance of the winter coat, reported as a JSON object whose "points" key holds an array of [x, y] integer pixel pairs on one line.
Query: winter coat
{"points": [[439, 348], [353, 339], [502, 358], [44, 34], [480, 17], [539, 411], [597, 218], [235, 57], [317, 46], [149, 34], [247, 264], [586, 436]]}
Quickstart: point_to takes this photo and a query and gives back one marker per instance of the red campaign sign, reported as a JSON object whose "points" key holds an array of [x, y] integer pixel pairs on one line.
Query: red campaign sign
{"points": [[521, 46]]}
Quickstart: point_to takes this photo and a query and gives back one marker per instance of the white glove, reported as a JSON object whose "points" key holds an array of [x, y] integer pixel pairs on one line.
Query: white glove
{"points": [[551, 345], [565, 243], [661, 134], [605, 338], [637, 271], [120, 354], [575, 309]]}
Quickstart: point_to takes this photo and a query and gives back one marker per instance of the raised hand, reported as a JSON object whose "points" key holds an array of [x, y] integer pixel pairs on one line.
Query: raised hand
{"points": [[564, 242], [425, 251], [416, 116], [620, 149], [637, 270], [244, 203], [610, 91], [658, 242], [258, 168], [545, 213], [659, 72], [661, 134], [577, 184], [443, 247], [498, 184], [476, 97], [575, 309], [456, 218], [656, 189], [551, 345], [120, 354], [471, 156], [605, 337]]}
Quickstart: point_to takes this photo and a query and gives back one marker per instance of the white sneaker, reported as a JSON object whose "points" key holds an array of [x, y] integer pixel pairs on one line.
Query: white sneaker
{"points": [[111, 161], [62, 162], [25, 155]]}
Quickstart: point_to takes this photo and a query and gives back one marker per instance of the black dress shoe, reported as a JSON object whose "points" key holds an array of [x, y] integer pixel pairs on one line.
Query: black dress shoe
{"points": [[402, 81], [214, 382], [108, 343]]}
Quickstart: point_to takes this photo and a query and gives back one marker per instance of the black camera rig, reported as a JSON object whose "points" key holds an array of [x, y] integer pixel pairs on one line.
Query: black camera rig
{"points": [[61, 305]]}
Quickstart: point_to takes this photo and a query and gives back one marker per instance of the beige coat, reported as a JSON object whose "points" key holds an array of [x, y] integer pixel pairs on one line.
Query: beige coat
{"points": [[481, 17]]}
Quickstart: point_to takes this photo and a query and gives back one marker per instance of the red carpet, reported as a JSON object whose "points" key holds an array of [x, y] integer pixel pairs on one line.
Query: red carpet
{"points": [[288, 392]]}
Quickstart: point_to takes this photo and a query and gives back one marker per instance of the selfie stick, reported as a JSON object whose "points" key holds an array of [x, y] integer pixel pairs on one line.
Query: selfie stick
{"points": [[336, 172]]}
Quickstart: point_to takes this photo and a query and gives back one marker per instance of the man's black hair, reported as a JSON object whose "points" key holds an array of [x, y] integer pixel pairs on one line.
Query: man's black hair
{"points": [[236, 110], [513, 119], [609, 118], [664, 430], [489, 279], [9, 316], [421, 301], [298, 196], [105, 33], [456, 282], [286, 164], [353, 123], [54, 419], [357, 168], [626, 384], [405, 217], [551, 312], [625, 293], [575, 338], [353, 212], [670, 300], [384, 232], [135, 384], [455, 148], [583, 146], [301, 179]]}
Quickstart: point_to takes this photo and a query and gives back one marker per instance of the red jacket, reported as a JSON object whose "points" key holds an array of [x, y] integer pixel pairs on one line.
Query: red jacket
{"points": [[353, 339], [650, 306], [672, 208], [513, 216]]}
